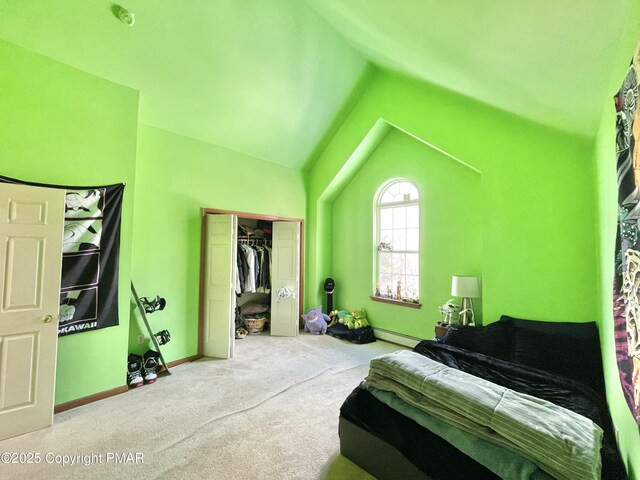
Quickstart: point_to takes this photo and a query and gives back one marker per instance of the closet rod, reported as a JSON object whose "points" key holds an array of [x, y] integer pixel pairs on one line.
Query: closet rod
{"points": [[254, 241]]}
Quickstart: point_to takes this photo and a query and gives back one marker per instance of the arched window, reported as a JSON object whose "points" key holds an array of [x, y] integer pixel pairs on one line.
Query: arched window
{"points": [[398, 241]]}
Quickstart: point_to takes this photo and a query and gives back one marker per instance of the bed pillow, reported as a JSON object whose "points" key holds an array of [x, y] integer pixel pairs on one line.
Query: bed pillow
{"points": [[493, 340], [571, 357], [461, 336], [587, 331]]}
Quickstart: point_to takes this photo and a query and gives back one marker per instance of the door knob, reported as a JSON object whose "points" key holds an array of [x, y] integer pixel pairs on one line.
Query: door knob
{"points": [[47, 319]]}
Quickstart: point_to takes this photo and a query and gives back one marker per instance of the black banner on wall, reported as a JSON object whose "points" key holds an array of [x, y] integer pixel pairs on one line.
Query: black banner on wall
{"points": [[90, 255]]}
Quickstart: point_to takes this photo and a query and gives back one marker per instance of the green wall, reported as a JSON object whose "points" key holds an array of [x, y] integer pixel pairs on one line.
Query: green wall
{"points": [[177, 176], [260, 77], [450, 220], [547, 240], [537, 199], [62, 126]]}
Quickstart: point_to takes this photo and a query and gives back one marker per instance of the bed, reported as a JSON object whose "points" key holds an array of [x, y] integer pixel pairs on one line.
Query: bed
{"points": [[559, 363]]}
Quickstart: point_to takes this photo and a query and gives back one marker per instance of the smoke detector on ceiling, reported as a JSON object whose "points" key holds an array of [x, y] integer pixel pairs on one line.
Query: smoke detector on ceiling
{"points": [[124, 15]]}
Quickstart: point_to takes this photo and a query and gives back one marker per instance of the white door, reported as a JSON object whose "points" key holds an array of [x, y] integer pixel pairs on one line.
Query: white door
{"points": [[219, 287], [31, 226], [285, 265]]}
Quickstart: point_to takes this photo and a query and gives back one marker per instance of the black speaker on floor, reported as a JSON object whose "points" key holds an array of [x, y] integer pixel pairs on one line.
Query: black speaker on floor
{"points": [[329, 287]]}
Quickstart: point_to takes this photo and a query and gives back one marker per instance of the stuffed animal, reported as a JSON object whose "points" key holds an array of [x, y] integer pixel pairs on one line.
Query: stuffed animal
{"points": [[448, 309], [360, 318], [333, 316], [315, 322], [241, 332], [348, 321], [353, 320]]}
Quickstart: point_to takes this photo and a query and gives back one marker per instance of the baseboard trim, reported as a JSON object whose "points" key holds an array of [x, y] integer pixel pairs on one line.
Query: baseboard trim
{"points": [[63, 407], [175, 363], [394, 337]]}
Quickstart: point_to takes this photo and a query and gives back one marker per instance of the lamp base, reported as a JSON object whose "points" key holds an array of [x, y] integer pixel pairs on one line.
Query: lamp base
{"points": [[466, 312]]}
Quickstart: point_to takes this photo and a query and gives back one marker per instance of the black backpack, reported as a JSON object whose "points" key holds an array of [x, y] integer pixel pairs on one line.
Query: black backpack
{"points": [[357, 335]]}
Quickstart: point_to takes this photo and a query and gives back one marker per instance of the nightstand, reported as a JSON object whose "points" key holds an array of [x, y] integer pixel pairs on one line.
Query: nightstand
{"points": [[441, 330]]}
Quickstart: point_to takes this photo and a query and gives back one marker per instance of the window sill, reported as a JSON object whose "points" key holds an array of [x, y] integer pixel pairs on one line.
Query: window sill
{"points": [[396, 302]]}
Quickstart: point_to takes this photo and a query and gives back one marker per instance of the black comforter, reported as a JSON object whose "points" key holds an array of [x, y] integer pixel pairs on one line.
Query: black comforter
{"points": [[436, 457]]}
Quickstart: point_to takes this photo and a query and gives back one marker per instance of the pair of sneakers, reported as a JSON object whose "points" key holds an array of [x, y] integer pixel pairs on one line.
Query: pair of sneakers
{"points": [[142, 369]]}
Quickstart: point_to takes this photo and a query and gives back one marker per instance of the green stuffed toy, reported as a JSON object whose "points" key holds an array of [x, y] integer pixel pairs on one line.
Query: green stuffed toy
{"points": [[360, 318], [345, 318], [349, 322], [353, 320], [335, 318]]}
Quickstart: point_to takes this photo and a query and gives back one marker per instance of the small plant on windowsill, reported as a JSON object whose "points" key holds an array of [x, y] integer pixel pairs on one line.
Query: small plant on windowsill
{"points": [[411, 300]]}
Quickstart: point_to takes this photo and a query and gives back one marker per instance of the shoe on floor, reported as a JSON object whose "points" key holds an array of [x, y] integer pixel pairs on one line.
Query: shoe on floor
{"points": [[150, 366], [134, 371], [241, 332]]}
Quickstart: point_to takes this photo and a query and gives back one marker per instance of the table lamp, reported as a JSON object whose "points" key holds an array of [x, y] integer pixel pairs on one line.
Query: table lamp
{"points": [[467, 287]]}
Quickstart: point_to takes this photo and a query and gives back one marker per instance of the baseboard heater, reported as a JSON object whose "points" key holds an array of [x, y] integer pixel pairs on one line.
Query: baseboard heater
{"points": [[394, 337]]}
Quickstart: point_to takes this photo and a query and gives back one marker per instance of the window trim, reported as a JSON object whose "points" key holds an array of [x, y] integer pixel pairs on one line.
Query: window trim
{"points": [[376, 238], [395, 302]]}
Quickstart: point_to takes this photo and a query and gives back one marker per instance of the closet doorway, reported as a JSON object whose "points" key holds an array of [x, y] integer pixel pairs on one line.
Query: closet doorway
{"points": [[231, 242]]}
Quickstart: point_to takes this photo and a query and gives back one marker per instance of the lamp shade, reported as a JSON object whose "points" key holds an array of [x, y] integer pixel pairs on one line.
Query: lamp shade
{"points": [[465, 286]]}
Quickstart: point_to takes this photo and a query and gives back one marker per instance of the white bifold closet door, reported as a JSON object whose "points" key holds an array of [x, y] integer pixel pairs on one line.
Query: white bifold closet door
{"points": [[285, 272], [219, 285], [220, 280]]}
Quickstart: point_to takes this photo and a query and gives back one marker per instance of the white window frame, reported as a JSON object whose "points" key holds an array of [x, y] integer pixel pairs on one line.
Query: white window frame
{"points": [[379, 207]]}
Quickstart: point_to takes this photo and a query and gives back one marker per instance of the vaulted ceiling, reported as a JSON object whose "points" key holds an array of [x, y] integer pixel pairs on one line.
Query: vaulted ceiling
{"points": [[268, 77]]}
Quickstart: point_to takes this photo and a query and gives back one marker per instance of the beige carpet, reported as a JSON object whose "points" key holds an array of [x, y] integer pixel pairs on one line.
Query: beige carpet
{"points": [[269, 413]]}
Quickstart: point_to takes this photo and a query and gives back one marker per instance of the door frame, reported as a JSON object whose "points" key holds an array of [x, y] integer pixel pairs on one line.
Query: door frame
{"points": [[254, 216]]}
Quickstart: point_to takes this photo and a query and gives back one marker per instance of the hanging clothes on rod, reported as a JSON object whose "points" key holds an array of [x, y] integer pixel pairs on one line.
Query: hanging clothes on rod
{"points": [[264, 275], [243, 270], [254, 265], [250, 279]]}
